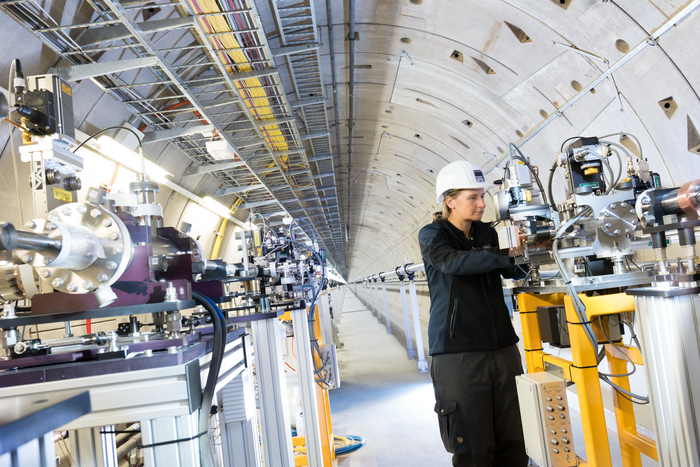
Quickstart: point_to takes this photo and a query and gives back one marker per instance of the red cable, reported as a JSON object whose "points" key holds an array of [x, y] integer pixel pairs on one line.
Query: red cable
{"points": [[289, 366]]}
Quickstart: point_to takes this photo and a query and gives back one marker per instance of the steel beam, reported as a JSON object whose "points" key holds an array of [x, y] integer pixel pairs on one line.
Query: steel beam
{"points": [[96, 35], [315, 135], [238, 189], [306, 102], [79, 72], [294, 49], [256, 204], [205, 169], [155, 136]]}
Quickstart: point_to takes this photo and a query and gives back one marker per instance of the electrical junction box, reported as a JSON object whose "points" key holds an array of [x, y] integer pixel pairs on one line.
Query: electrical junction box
{"points": [[544, 411], [221, 150]]}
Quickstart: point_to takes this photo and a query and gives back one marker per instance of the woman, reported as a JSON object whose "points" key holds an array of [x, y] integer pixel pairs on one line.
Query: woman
{"points": [[471, 338]]}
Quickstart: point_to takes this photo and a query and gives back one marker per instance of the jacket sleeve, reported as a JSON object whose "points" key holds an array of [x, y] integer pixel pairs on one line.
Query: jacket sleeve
{"points": [[515, 272], [436, 250], [512, 271]]}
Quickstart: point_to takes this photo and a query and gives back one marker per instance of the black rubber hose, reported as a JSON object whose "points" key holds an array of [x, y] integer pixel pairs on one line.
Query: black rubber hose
{"points": [[552, 204], [214, 367]]}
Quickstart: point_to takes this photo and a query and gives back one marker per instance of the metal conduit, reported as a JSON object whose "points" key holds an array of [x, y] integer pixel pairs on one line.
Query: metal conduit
{"points": [[404, 270], [329, 16], [351, 93]]}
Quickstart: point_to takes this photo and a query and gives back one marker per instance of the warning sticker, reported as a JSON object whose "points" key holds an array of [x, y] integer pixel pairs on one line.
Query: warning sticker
{"points": [[65, 88], [62, 195]]}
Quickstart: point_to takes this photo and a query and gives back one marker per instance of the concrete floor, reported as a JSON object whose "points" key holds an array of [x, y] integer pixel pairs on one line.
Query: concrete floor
{"points": [[385, 400], [382, 396]]}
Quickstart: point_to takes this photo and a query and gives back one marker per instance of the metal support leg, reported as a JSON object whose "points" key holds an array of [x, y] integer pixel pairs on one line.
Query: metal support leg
{"points": [[368, 302], [160, 430], [86, 447], [109, 446], [324, 314], [275, 429], [376, 303], [239, 423], [307, 384], [386, 310], [407, 324], [422, 363]]}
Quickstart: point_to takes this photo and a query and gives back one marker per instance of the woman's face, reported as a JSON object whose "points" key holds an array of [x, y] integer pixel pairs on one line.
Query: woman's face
{"points": [[467, 205]]}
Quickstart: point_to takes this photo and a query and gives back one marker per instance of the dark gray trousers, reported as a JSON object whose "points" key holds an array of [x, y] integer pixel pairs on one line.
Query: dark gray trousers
{"points": [[477, 407]]}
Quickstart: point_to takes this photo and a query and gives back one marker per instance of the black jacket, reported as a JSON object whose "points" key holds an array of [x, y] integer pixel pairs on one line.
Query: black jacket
{"points": [[467, 307]]}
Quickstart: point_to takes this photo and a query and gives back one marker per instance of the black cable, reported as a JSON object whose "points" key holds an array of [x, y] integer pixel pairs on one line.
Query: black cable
{"points": [[107, 129], [552, 204], [214, 367]]}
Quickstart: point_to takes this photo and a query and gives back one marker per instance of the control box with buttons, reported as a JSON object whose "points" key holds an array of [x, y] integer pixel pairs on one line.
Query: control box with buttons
{"points": [[544, 411]]}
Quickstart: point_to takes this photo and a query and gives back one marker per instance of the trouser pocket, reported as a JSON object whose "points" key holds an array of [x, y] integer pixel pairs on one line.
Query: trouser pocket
{"points": [[449, 421]]}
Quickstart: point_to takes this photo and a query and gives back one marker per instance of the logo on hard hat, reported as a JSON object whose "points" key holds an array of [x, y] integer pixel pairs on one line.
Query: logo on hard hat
{"points": [[479, 176]]}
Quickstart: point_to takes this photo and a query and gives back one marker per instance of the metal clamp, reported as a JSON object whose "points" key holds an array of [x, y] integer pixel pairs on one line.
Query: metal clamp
{"points": [[398, 273], [381, 278]]}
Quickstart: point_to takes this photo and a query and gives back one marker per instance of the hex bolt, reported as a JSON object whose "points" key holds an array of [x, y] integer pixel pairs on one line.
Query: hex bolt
{"points": [[47, 260], [27, 259], [95, 213], [45, 273], [50, 226], [623, 205], [613, 206], [634, 221], [617, 232], [633, 211], [114, 236], [71, 287], [627, 231], [82, 209], [57, 282], [607, 214], [102, 277], [111, 265], [117, 250], [88, 285], [67, 211], [107, 222], [30, 224], [608, 225]]}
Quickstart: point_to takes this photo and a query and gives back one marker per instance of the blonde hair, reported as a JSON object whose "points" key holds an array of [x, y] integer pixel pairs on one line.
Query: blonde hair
{"points": [[446, 210]]}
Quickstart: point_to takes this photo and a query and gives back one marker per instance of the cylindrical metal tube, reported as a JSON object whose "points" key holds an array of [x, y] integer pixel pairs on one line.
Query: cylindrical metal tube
{"points": [[129, 445], [12, 239], [669, 337]]}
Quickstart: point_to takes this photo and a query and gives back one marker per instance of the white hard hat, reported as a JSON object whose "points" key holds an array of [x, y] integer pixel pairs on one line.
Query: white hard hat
{"points": [[459, 175]]}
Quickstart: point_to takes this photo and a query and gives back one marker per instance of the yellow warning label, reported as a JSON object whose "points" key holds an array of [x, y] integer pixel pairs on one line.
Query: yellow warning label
{"points": [[65, 88], [62, 195], [256, 237]]}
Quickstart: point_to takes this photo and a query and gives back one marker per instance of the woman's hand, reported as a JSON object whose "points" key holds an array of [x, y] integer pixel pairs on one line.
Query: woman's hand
{"points": [[513, 252]]}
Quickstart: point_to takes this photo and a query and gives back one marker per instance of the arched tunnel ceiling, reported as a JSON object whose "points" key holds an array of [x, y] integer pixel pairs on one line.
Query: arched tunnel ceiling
{"points": [[437, 81]]}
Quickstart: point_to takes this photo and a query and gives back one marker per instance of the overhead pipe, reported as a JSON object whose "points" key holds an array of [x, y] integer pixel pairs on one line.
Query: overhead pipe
{"points": [[334, 82], [351, 96], [405, 270]]}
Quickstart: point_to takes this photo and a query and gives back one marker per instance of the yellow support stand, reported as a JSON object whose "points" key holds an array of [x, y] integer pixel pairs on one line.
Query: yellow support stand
{"points": [[583, 370]]}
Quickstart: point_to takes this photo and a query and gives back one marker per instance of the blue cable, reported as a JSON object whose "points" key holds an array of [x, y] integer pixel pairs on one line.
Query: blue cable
{"points": [[358, 442]]}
